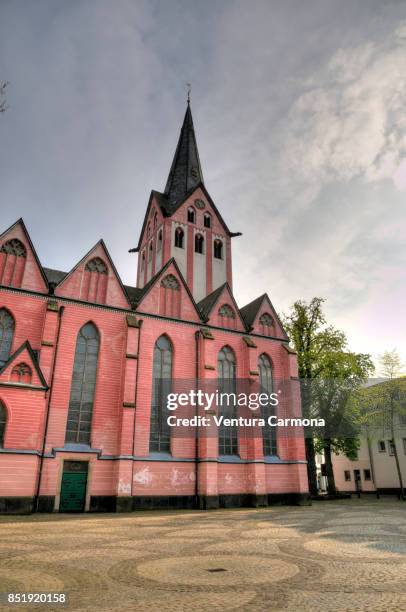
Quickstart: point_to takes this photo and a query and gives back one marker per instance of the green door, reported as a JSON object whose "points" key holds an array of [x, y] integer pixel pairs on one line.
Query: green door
{"points": [[73, 488]]}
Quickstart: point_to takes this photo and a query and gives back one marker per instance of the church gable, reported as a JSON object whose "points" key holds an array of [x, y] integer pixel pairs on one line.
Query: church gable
{"points": [[167, 295], [19, 263], [261, 317], [220, 309], [22, 369], [94, 279], [199, 209]]}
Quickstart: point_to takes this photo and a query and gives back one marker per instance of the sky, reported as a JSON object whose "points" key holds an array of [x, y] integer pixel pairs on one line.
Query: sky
{"points": [[299, 111]]}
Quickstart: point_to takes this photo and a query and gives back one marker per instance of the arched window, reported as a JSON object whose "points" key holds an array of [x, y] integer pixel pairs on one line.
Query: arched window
{"points": [[226, 366], [3, 423], [14, 247], [191, 215], [6, 334], [218, 249], [83, 385], [179, 235], [13, 256], [159, 437], [199, 243], [155, 219], [207, 220], [96, 265], [159, 245], [21, 373], [143, 261], [227, 317], [148, 230], [266, 322], [226, 311], [265, 381], [170, 297], [150, 251], [94, 285]]}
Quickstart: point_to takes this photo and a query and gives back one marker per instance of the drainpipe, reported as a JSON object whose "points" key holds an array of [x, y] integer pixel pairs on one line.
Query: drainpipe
{"points": [[135, 399], [197, 334], [48, 406]]}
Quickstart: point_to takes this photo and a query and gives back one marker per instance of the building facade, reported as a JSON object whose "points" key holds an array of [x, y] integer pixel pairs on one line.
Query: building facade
{"points": [[85, 363], [375, 469]]}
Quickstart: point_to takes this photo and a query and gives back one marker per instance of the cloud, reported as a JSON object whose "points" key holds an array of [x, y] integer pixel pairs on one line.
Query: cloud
{"points": [[350, 122]]}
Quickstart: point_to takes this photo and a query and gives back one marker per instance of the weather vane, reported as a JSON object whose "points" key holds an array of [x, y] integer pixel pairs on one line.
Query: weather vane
{"points": [[189, 89]]}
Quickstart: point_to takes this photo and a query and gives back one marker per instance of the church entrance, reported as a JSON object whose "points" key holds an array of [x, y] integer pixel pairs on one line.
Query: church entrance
{"points": [[73, 487]]}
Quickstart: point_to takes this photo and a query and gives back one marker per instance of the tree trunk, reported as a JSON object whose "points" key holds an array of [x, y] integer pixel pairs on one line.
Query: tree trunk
{"points": [[311, 466], [331, 485]]}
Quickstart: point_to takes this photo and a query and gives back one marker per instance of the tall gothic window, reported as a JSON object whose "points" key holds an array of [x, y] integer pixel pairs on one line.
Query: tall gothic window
{"points": [[159, 437], [83, 385], [191, 217], [150, 251], [199, 243], [207, 220], [179, 235], [159, 245], [6, 335], [265, 380], [155, 219], [13, 256], [218, 249], [3, 423], [228, 436]]}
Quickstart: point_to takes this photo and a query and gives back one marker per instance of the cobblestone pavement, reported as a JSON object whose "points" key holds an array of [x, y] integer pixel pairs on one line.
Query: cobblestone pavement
{"points": [[344, 555]]}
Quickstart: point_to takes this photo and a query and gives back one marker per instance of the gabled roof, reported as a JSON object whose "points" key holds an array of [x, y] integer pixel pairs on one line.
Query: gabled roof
{"points": [[34, 362], [250, 311], [186, 172], [207, 304], [58, 274], [169, 208], [20, 222], [153, 280], [54, 277]]}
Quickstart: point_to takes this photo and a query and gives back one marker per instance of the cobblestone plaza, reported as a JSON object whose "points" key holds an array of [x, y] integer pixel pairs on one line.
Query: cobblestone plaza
{"points": [[346, 555]]}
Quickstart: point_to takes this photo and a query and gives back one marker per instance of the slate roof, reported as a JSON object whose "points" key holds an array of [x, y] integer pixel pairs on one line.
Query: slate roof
{"points": [[206, 304], [186, 172], [54, 277], [250, 311]]}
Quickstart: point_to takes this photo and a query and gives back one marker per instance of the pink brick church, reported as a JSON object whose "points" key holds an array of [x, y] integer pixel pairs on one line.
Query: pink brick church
{"points": [[84, 360]]}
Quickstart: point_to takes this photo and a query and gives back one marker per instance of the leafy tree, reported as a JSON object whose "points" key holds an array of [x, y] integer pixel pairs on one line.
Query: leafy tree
{"points": [[329, 374]]}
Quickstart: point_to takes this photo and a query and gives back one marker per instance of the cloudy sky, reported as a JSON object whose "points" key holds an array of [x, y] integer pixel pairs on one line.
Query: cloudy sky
{"points": [[299, 108]]}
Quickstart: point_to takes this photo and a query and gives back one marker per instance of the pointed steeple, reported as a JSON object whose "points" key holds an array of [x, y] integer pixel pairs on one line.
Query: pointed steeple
{"points": [[186, 171]]}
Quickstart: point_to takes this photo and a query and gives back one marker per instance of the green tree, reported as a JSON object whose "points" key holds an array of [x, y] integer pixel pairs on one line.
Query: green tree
{"points": [[329, 374]]}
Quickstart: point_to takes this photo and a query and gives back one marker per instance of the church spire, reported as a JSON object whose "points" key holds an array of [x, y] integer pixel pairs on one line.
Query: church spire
{"points": [[186, 171]]}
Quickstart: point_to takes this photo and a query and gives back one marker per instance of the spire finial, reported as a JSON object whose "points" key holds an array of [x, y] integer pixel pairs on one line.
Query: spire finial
{"points": [[189, 90]]}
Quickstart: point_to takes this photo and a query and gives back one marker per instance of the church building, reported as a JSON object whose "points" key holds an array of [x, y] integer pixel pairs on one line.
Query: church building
{"points": [[86, 362]]}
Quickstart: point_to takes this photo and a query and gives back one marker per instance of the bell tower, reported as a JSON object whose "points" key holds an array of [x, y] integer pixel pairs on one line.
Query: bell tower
{"points": [[184, 223]]}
